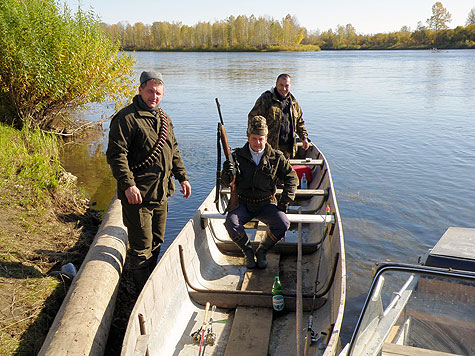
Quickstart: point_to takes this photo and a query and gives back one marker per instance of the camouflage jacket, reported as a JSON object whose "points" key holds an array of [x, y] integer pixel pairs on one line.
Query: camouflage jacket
{"points": [[269, 106], [132, 137], [259, 181]]}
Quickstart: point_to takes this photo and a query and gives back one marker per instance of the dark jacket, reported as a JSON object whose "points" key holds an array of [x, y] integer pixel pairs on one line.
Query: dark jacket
{"points": [[259, 181], [269, 106], [132, 137]]}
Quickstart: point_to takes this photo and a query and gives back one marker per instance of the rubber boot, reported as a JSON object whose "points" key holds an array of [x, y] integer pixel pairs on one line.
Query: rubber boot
{"points": [[245, 245], [140, 277], [154, 260], [261, 251]]}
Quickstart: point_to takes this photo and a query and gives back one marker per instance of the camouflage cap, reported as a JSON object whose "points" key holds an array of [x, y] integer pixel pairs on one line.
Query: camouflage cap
{"points": [[257, 126]]}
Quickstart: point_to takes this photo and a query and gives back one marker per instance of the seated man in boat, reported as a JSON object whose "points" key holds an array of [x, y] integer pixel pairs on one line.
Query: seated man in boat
{"points": [[284, 117], [258, 166]]}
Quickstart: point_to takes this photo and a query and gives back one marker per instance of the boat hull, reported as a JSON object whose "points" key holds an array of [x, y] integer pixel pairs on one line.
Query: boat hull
{"points": [[203, 265]]}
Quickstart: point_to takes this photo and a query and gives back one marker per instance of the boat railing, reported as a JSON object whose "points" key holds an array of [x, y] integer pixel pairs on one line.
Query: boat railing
{"points": [[379, 322], [398, 296]]}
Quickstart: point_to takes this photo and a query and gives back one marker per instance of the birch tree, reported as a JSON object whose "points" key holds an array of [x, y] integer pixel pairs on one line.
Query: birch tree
{"points": [[440, 17], [471, 17]]}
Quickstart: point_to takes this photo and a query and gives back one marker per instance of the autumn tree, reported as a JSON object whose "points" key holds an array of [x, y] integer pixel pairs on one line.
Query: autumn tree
{"points": [[471, 17], [440, 17], [53, 61], [292, 34]]}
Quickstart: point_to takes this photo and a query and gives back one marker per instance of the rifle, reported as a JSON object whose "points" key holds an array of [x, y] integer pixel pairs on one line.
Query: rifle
{"points": [[233, 201]]}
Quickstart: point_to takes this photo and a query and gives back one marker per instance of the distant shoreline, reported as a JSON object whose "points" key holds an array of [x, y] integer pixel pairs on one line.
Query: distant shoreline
{"points": [[435, 49], [309, 48]]}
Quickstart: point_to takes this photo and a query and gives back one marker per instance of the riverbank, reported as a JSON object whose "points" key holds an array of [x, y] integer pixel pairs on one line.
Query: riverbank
{"points": [[46, 223], [246, 48]]}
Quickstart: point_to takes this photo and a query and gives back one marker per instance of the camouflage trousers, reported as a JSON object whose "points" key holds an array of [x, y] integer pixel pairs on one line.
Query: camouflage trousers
{"points": [[146, 231]]}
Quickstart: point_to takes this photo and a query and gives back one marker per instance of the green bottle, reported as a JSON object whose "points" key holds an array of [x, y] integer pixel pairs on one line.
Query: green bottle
{"points": [[277, 295]]}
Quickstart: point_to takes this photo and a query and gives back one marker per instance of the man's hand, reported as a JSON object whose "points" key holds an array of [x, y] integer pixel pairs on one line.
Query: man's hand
{"points": [[305, 144], [185, 189], [133, 195], [229, 169], [282, 207]]}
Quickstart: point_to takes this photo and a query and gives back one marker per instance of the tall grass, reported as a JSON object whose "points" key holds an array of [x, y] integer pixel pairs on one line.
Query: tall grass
{"points": [[52, 60], [30, 163], [35, 236]]}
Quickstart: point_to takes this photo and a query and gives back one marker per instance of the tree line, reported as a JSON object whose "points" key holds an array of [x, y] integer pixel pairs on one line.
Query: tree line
{"points": [[435, 35], [345, 37], [234, 33], [243, 33]]}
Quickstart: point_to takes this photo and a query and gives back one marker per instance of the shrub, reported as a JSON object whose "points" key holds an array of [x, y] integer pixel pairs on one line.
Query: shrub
{"points": [[52, 61]]}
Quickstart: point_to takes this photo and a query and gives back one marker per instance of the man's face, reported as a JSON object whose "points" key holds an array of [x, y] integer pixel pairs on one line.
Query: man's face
{"points": [[257, 142], [283, 86], [151, 94]]}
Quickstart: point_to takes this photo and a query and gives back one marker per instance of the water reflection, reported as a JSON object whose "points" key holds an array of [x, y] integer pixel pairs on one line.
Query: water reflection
{"points": [[86, 159]]}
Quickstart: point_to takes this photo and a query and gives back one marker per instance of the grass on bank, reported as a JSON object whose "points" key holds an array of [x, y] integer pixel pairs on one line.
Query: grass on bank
{"points": [[45, 224], [30, 161]]}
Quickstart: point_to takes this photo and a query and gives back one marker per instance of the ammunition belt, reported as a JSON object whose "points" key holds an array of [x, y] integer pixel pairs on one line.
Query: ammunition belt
{"points": [[157, 149], [255, 201]]}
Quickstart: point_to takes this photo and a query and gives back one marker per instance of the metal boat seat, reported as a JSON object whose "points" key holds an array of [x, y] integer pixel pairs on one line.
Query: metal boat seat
{"points": [[293, 218], [298, 193]]}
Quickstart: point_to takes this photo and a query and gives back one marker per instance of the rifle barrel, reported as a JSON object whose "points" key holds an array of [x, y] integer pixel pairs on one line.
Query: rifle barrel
{"points": [[219, 111]]}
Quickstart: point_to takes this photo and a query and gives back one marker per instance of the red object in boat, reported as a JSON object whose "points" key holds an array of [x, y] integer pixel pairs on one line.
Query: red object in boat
{"points": [[300, 169]]}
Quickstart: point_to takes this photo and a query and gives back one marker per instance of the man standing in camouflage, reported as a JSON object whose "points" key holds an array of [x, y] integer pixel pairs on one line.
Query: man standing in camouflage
{"points": [[283, 115], [259, 167], [144, 158]]}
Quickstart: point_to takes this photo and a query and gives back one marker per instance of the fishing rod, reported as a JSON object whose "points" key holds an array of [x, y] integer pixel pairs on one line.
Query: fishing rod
{"points": [[198, 335], [210, 337], [203, 329]]}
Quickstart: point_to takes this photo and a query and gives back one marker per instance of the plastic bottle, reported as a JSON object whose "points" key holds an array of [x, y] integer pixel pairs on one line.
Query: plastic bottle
{"points": [[277, 295], [303, 182]]}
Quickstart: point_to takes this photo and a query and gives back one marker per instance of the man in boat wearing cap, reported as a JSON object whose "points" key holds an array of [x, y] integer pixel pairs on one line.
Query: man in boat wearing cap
{"points": [[257, 169], [283, 115], [144, 158]]}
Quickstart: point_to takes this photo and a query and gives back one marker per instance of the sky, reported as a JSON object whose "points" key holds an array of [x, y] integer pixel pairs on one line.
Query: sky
{"points": [[366, 16]]}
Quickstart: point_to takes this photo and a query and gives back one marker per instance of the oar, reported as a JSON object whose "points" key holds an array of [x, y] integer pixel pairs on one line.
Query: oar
{"points": [[310, 334], [299, 308]]}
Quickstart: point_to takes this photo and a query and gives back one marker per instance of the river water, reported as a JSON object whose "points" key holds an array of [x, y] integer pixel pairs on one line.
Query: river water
{"points": [[397, 128]]}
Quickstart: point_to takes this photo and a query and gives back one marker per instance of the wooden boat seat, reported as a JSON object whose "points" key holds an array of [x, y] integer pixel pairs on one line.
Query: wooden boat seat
{"points": [[403, 350], [284, 248], [307, 161]]}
